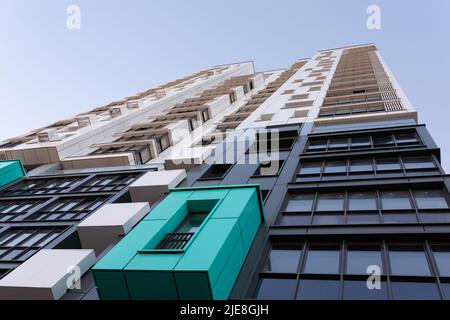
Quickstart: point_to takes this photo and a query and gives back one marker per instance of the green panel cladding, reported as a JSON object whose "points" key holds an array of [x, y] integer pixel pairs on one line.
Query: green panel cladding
{"points": [[207, 266], [10, 171]]}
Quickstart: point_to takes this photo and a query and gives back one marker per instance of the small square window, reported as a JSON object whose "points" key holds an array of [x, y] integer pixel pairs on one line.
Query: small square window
{"points": [[216, 171]]}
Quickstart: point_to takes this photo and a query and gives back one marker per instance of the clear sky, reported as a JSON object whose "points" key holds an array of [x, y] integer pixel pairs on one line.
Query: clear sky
{"points": [[48, 72]]}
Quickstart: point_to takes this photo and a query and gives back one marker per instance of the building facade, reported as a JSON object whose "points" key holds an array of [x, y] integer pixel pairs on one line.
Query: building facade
{"points": [[312, 182]]}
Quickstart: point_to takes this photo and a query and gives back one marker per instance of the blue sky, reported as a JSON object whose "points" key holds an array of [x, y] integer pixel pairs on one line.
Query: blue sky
{"points": [[48, 72]]}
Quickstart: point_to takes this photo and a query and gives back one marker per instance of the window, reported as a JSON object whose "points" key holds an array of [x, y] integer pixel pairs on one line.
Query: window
{"points": [[276, 289], [311, 168], [205, 115], [388, 164], [334, 167], [16, 209], [414, 290], [408, 261], [283, 258], [300, 203], [442, 257], [407, 139], [311, 289], [359, 258], [361, 166], [384, 141], [68, 208], [363, 142], [19, 244], [318, 145], [216, 171], [395, 200], [358, 290], [322, 259], [362, 201], [269, 169], [416, 163], [164, 142], [41, 186], [431, 199], [106, 183], [338, 144], [330, 202]]}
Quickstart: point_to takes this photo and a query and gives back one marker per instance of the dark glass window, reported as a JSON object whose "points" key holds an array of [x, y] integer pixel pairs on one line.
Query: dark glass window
{"points": [[415, 163], [311, 168], [407, 138], [276, 289], [359, 201], [394, 200], [431, 199], [19, 244], [107, 183], [442, 257], [217, 171], [388, 164], [363, 142], [15, 209], [283, 258], [295, 220], [408, 261], [41, 186], [358, 166], [330, 202], [363, 218], [332, 167], [322, 219], [384, 141], [338, 144], [358, 290], [414, 290], [359, 258], [68, 208], [399, 218], [311, 289], [300, 203], [322, 260], [317, 145], [446, 288]]}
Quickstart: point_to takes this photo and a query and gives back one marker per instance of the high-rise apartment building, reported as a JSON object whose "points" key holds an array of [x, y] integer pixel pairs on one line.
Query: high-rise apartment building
{"points": [[312, 182]]}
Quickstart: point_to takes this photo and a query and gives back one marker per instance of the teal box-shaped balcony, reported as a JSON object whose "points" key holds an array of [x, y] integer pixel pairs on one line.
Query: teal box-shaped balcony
{"points": [[10, 171], [191, 246]]}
